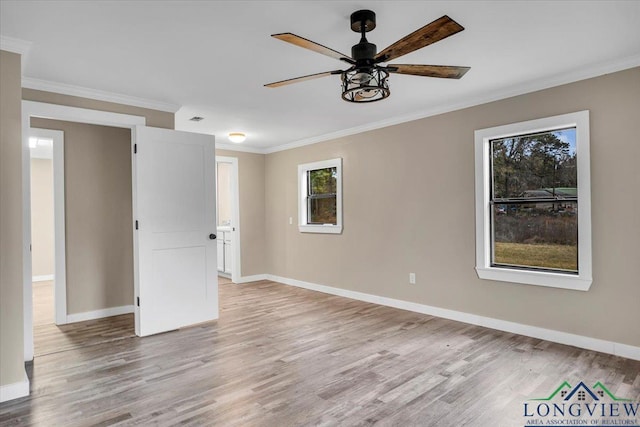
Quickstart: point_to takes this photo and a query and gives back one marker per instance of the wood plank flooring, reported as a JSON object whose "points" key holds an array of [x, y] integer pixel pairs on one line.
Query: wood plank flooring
{"points": [[43, 310], [49, 338], [283, 356]]}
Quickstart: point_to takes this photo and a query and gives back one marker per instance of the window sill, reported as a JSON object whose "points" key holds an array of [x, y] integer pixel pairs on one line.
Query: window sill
{"points": [[329, 229], [537, 278]]}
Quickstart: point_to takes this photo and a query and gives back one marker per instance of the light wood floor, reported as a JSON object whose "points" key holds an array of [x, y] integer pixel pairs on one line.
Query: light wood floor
{"points": [[49, 338], [283, 356], [43, 310]]}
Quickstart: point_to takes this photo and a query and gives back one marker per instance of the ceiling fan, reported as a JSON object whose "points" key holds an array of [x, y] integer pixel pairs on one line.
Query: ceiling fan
{"points": [[366, 79]]}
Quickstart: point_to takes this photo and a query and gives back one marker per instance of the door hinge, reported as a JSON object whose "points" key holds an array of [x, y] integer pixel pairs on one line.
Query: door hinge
{"points": [[135, 148], [136, 224], [138, 301]]}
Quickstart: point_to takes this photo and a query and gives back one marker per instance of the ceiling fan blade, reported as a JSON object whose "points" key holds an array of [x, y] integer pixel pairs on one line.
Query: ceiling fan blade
{"points": [[308, 44], [435, 31], [442, 71], [302, 78]]}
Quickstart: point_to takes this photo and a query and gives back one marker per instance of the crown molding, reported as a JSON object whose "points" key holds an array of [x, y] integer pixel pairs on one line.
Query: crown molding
{"points": [[236, 147], [15, 45], [578, 74], [100, 95], [21, 47]]}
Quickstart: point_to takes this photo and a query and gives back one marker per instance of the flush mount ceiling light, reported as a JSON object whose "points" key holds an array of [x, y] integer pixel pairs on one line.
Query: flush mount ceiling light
{"points": [[366, 78], [237, 137]]}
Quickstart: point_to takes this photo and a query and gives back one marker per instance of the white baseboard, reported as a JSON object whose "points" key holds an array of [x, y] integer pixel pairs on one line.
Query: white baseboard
{"points": [[42, 278], [98, 314], [609, 347], [254, 278], [15, 390]]}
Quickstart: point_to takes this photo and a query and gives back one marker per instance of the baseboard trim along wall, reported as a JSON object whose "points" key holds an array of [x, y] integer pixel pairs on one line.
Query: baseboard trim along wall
{"points": [[15, 390], [98, 314], [609, 347], [42, 278], [254, 278]]}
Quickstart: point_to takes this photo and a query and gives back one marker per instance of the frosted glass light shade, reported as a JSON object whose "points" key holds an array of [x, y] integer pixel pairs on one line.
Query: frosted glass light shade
{"points": [[237, 137]]}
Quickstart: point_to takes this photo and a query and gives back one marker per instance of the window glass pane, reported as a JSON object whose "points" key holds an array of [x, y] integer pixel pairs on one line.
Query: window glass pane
{"points": [[322, 210], [323, 181], [538, 234], [535, 165]]}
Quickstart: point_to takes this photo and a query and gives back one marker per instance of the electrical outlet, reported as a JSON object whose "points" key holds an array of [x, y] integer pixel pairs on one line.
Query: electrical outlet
{"points": [[290, 220], [412, 278]]}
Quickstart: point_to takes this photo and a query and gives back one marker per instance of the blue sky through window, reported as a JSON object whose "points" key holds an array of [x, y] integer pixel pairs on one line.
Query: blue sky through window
{"points": [[568, 135]]}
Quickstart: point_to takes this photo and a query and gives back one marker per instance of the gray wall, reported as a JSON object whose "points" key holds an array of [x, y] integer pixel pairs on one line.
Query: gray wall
{"points": [[42, 245], [99, 241], [11, 282], [409, 207]]}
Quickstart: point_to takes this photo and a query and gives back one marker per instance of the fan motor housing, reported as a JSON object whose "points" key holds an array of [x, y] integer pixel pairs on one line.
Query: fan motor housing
{"points": [[363, 51], [363, 17]]}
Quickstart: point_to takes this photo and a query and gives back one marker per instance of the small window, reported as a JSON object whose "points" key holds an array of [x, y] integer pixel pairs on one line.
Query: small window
{"points": [[320, 192], [533, 202]]}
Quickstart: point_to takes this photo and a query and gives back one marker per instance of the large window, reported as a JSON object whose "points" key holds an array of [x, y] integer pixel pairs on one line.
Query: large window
{"points": [[533, 202], [320, 196]]}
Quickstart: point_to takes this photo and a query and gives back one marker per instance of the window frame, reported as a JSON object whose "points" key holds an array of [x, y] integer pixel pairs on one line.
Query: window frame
{"points": [[483, 137], [303, 225]]}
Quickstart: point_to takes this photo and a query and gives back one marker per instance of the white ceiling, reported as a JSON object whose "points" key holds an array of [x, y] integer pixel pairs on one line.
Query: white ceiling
{"points": [[211, 59]]}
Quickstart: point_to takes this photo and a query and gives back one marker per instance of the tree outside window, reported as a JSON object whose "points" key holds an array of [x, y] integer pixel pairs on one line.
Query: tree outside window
{"points": [[320, 197], [535, 200]]}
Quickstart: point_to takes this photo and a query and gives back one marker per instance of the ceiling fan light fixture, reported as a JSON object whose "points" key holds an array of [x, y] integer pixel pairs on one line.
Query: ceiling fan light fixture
{"points": [[361, 78], [366, 79], [237, 137], [358, 88]]}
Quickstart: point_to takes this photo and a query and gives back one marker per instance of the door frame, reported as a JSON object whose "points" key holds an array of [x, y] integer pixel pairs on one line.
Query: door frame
{"points": [[235, 214], [55, 112], [59, 237]]}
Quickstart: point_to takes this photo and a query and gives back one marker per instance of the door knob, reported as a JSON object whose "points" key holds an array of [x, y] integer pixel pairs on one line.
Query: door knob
{"points": [[212, 236]]}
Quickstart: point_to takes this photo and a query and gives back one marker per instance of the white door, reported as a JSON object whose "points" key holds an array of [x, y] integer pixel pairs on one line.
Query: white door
{"points": [[176, 280]]}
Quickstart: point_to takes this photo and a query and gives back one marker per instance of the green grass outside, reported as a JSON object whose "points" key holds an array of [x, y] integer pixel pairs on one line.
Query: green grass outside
{"points": [[537, 255]]}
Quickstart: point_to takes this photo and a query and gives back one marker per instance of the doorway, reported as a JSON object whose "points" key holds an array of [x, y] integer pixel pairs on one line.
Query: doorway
{"points": [[48, 269], [93, 234], [161, 206], [42, 227], [228, 218], [31, 109]]}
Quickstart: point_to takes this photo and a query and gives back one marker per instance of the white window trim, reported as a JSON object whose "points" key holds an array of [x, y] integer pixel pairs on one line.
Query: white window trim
{"points": [[582, 280], [302, 198]]}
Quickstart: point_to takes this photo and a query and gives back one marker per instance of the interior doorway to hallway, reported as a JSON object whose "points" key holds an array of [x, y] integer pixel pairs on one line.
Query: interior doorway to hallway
{"points": [[228, 217], [53, 326]]}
